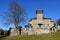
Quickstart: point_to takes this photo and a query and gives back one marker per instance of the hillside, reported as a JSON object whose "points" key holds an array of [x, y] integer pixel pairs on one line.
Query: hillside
{"points": [[53, 36]]}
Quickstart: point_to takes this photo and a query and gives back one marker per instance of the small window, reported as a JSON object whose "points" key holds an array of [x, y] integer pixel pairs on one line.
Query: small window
{"points": [[48, 24]]}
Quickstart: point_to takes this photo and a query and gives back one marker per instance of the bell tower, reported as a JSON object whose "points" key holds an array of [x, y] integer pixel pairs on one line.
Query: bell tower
{"points": [[39, 17]]}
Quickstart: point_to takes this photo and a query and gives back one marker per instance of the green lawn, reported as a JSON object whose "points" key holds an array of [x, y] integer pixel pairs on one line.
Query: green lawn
{"points": [[53, 36]]}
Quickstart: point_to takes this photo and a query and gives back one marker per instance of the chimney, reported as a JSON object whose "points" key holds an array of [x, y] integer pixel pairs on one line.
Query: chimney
{"points": [[39, 11]]}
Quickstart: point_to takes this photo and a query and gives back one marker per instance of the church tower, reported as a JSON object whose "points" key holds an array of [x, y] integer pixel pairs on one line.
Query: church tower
{"points": [[39, 17]]}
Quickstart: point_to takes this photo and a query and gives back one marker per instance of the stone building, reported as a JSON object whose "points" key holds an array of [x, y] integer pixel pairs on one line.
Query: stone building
{"points": [[40, 24]]}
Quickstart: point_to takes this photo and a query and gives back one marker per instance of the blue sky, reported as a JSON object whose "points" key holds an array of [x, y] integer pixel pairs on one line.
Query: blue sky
{"points": [[51, 9]]}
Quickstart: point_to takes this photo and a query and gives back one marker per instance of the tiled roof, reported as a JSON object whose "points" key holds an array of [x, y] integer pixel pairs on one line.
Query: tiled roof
{"points": [[46, 18]]}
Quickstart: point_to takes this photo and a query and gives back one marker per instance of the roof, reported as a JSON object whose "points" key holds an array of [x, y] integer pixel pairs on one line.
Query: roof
{"points": [[46, 18], [39, 11], [43, 18]]}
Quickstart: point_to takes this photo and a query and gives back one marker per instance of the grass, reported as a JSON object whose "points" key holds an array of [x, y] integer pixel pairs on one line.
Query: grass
{"points": [[53, 36]]}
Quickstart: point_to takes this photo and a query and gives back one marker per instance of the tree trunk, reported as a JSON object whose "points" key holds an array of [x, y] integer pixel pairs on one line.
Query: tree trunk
{"points": [[16, 28]]}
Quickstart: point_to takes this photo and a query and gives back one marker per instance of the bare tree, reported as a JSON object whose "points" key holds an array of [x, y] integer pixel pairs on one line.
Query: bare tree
{"points": [[15, 15]]}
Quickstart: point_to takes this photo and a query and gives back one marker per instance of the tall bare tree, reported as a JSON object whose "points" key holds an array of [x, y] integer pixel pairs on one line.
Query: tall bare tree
{"points": [[15, 14]]}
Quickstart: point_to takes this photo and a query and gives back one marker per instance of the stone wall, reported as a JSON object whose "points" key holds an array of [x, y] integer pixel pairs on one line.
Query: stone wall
{"points": [[14, 31]]}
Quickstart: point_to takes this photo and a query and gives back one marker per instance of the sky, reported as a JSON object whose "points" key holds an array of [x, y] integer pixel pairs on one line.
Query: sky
{"points": [[51, 9]]}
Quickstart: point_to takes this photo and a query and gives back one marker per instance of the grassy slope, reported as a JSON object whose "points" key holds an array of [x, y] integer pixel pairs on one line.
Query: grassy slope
{"points": [[53, 36]]}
